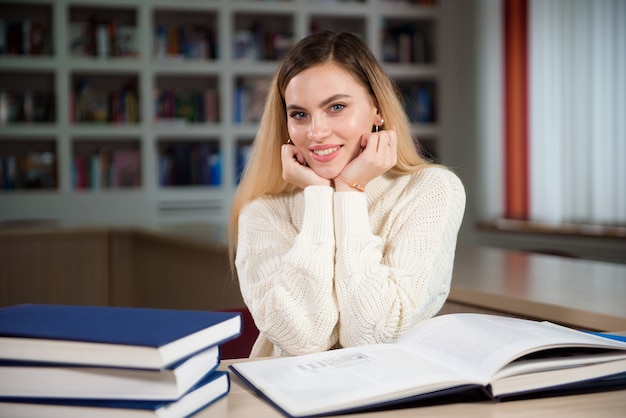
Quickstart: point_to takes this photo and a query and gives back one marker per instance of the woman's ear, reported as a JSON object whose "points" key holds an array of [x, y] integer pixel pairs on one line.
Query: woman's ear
{"points": [[377, 115]]}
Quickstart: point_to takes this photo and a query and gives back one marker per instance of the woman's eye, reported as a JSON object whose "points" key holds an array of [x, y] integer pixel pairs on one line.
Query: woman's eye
{"points": [[337, 107], [297, 115]]}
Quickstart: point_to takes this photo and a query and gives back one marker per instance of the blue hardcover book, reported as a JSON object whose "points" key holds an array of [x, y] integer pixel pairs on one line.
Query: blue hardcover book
{"points": [[616, 337], [211, 388], [111, 336], [19, 379]]}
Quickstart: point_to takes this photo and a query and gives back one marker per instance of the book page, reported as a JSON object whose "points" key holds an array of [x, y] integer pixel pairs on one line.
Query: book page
{"points": [[483, 344], [341, 379], [444, 352]]}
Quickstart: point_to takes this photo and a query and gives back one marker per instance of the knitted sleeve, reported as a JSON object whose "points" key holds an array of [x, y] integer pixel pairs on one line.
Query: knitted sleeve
{"points": [[286, 272], [387, 282]]}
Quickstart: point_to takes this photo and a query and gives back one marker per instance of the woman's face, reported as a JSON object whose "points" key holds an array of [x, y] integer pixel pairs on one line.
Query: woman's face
{"points": [[328, 112]]}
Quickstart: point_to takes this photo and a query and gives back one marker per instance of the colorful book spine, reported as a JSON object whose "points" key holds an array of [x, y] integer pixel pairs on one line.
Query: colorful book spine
{"points": [[190, 164]]}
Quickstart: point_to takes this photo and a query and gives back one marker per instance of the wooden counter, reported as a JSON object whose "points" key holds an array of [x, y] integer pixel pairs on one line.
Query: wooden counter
{"points": [[186, 267], [141, 267], [574, 292]]}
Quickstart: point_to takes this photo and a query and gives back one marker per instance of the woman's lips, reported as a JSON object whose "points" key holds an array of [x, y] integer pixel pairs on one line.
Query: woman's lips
{"points": [[324, 154]]}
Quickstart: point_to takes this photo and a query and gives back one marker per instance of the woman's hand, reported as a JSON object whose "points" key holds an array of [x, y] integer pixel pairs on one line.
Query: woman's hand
{"points": [[295, 170], [380, 153]]}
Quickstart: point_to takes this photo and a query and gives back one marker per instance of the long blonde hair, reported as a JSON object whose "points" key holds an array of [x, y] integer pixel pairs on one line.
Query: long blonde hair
{"points": [[263, 173]]}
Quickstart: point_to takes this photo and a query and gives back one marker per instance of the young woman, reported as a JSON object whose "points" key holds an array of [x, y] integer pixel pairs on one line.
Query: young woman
{"points": [[340, 232]]}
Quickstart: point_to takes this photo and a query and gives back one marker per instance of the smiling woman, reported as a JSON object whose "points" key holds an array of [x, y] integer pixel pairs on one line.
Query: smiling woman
{"points": [[328, 129], [340, 232]]}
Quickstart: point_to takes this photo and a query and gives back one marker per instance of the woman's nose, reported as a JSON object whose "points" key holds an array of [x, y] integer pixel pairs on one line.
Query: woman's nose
{"points": [[317, 130]]}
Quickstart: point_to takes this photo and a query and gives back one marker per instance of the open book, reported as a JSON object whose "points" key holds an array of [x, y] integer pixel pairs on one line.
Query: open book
{"points": [[502, 356]]}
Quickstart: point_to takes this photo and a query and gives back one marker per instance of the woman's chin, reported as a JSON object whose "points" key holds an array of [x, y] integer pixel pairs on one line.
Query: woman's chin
{"points": [[327, 174]]}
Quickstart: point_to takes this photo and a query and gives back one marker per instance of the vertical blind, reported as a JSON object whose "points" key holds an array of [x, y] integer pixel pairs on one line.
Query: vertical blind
{"points": [[575, 155], [576, 112]]}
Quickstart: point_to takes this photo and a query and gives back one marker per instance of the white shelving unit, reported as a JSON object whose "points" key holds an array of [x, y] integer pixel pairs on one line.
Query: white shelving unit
{"points": [[59, 71]]}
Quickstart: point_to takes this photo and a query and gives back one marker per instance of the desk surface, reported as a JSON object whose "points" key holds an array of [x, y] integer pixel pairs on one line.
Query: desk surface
{"points": [[242, 402], [580, 293]]}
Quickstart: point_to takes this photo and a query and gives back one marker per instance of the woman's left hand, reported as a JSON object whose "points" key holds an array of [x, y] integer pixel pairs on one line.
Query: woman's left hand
{"points": [[379, 154]]}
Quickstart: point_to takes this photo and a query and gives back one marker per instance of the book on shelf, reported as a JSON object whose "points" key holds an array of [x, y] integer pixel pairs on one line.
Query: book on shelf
{"points": [[140, 338], [406, 44], [29, 170], [24, 37], [243, 156], [31, 106], [249, 99], [496, 357], [213, 387], [126, 168], [420, 103], [180, 106], [89, 104], [188, 41], [190, 163], [101, 166], [245, 46], [8, 172], [3, 37], [104, 169], [109, 38], [258, 44], [80, 172], [32, 379]]}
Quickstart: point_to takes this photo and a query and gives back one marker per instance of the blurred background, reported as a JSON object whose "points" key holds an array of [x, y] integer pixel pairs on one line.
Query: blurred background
{"points": [[141, 113]]}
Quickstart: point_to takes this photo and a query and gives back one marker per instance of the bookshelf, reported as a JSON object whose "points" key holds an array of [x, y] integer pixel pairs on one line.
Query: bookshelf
{"points": [[118, 112]]}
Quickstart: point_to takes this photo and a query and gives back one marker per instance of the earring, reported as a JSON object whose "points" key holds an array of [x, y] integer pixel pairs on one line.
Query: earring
{"points": [[289, 141], [379, 126]]}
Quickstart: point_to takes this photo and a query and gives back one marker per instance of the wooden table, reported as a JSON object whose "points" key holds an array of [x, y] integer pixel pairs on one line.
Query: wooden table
{"points": [[579, 293], [242, 402]]}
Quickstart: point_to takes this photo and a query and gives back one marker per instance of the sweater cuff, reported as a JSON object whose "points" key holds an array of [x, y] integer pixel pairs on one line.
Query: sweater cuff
{"points": [[351, 214], [317, 223]]}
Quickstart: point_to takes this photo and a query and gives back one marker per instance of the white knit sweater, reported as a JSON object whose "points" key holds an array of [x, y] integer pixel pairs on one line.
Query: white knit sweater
{"points": [[320, 269]]}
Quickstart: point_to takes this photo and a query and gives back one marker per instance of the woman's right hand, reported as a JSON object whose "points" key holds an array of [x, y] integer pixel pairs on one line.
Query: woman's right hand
{"points": [[296, 171]]}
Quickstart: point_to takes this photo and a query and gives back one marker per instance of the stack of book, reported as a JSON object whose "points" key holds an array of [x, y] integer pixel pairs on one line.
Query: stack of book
{"points": [[78, 361]]}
